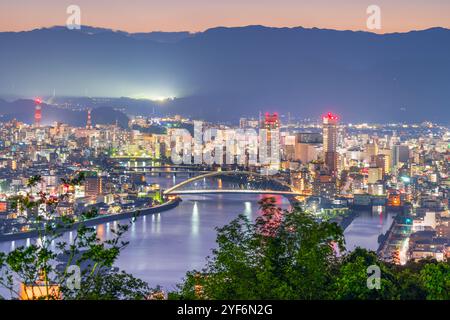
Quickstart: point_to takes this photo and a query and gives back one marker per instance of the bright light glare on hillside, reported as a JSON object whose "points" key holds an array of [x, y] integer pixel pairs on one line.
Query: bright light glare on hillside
{"points": [[162, 98], [156, 97]]}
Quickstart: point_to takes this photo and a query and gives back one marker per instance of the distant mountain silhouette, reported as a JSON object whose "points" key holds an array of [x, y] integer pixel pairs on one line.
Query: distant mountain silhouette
{"points": [[106, 115], [158, 36], [225, 73]]}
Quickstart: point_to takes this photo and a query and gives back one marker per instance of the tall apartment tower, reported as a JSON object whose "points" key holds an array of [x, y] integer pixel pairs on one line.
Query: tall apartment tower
{"points": [[93, 184], [37, 112], [330, 137]]}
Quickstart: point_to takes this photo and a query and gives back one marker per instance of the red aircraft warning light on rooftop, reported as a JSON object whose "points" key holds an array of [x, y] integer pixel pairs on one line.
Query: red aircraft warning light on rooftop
{"points": [[329, 116], [37, 112]]}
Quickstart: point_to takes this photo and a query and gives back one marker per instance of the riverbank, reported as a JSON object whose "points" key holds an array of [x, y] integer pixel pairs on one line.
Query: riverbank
{"points": [[394, 244], [384, 238], [96, 221]]}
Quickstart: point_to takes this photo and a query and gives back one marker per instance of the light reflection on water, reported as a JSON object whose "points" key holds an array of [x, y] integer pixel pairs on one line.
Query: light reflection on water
{"points": [[180, 239], [367, 227], [195, 220]]}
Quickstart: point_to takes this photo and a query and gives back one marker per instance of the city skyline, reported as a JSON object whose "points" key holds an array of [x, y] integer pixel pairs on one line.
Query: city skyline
{"points": [[250, 152]]}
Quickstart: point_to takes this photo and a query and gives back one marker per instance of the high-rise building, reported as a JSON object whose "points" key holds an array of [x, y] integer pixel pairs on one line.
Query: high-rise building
{"points": [[400, 154], [383, 161], [375, 174], [330, 135], [371, 151], [305, 152], [271, 121], [93, 185], [324, 185], [37, 112], [302, 147], [271, 154], [243, 123]]}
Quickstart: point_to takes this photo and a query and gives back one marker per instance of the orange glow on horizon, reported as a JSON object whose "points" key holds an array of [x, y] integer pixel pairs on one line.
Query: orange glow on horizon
{"points": [[199, 15]]}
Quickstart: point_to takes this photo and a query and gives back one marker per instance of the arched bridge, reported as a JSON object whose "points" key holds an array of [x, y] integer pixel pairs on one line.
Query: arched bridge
{"points": [[233, 182]]}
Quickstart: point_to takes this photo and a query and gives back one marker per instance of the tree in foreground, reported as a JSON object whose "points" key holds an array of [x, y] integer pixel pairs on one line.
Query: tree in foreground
{"points": [[290, 255], [53, 268], [277, 257], [436, 280], [351, 280]]}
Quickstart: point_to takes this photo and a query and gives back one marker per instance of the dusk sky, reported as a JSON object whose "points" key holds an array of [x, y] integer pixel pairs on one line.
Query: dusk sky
{"points": [[198, 15]]}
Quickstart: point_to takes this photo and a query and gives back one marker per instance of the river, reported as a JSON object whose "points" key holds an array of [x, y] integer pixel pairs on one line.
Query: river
{"points": [[164, 246]]}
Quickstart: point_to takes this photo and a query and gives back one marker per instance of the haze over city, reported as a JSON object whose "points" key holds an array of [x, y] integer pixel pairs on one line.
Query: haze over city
{"points": [[290, 63], [234, 152]]}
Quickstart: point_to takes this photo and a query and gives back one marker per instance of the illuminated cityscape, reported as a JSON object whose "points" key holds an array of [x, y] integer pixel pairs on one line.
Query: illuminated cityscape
{"points": [[236, 163], [332, 166]]}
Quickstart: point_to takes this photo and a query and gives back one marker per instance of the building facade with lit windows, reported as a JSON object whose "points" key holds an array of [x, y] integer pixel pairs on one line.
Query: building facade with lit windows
{"points": [[330, 140]]}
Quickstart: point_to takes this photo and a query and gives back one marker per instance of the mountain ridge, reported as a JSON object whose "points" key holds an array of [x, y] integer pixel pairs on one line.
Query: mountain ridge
{"points": [[244, 70]]}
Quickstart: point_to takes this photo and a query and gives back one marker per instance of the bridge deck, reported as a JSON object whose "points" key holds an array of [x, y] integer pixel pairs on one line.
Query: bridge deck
{"points": [[233, 191]]}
